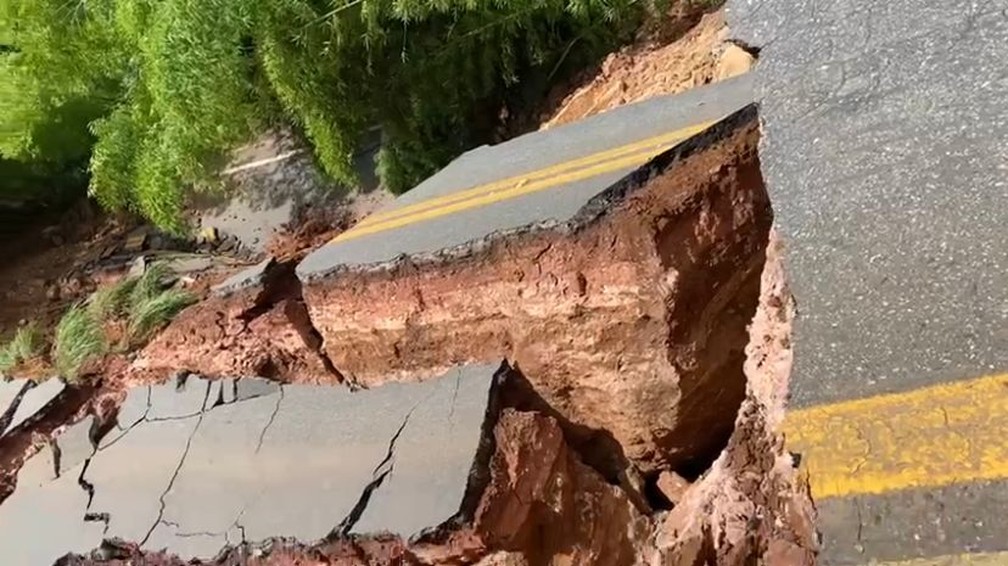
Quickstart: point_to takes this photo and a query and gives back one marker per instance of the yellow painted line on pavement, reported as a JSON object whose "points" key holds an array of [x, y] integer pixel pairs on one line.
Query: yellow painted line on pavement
{"points": [[977, 559], [586, 167], [929, 437]]}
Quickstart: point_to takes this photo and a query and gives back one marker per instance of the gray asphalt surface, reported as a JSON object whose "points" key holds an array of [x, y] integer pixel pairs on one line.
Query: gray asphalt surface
{"points": [[523, 155], [885, 152], [212, 463], [886, 156], [33, 400], [956, 519]]}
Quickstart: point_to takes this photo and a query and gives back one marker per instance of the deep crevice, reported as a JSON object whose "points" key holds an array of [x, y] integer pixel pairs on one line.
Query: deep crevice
{"points": [[749, 48], [280, 286]]}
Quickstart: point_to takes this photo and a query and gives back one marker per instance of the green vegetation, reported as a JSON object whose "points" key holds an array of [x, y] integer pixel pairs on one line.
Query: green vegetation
{"points": [[140, 305], [153, 92], [146, 303], [79, 338], [156, 312], [27, 343], [152, 304], [112, 301]]}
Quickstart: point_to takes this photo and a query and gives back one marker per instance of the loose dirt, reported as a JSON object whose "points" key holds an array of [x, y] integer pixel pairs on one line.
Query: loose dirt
{"points": [[661, 62]]}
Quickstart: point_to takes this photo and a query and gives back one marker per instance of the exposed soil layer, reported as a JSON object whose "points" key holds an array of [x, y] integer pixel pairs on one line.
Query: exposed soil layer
{"points": [[633, 313], [751, 507], [543, 505], [662, 62], [262, 330], [626, 329]]}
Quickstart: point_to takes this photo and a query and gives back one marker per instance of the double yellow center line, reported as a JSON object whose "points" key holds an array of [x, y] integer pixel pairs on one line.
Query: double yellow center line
{"points": [[607, 161]]}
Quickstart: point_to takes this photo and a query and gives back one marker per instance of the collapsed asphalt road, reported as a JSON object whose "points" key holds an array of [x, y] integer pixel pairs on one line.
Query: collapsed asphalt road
{"points": [[640, 426]]}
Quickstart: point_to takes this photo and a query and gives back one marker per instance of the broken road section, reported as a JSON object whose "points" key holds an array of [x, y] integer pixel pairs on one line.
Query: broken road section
{"points": [[196, 470], [629, 318], [624, 327]]}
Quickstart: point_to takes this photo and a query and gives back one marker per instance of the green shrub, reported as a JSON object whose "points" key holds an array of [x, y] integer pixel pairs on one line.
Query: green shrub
{"points": [[113, 300], [155, 312], [163, 89]]}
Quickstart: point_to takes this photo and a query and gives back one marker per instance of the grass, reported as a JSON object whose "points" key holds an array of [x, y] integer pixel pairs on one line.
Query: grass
{"points": [[145, 303], [149, 285], [26, 344], [154, 312], [79, 339], [112, 301]]}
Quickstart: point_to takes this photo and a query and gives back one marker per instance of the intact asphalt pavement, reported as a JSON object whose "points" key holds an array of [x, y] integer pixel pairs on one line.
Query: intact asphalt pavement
{"points": [[885, 154]]}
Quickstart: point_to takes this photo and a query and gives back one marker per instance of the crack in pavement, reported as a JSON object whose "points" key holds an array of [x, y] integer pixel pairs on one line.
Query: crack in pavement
{"points": [[348, 522], [276, 409], [175, 473], [141, 419], [88, 487]]}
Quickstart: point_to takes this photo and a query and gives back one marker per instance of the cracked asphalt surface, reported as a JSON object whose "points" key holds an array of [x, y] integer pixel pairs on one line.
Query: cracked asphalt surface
{"points": [[290, 460], [885, 157]]}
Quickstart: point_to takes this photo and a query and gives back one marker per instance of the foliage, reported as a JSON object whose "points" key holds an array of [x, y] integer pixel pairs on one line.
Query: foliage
{"points": [[147, 303], [79, 338], [153, 281], [26, 344], [162, 88]]}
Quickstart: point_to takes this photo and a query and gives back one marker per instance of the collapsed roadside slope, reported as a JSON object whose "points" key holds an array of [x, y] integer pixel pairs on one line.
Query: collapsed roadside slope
{"points": [[628, 323]]}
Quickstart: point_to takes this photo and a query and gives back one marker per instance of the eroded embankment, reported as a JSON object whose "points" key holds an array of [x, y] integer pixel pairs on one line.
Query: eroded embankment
{"points": [[629, 324], [629, 320], [542, 504]]}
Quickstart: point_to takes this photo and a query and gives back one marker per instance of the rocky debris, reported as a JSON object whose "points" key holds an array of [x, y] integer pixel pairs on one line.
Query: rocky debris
{"points": [[542, 504], [752, 504], [629, 364], [672, 486]]}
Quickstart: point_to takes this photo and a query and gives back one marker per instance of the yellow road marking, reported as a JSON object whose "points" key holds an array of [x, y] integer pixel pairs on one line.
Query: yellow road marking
{"points": [[979, 559], [933, 436], [582, 168]]}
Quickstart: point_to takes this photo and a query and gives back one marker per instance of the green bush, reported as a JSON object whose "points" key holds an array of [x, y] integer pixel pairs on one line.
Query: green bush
{"points": [[155, 91]]}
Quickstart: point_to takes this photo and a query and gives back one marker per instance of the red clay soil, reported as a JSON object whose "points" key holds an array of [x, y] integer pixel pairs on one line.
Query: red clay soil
{"points": [[263, 331], [684, 49], [44, 269]]}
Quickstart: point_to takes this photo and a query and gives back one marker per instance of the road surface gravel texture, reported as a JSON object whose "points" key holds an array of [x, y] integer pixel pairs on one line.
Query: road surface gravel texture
{"points": [[884, 151]]}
